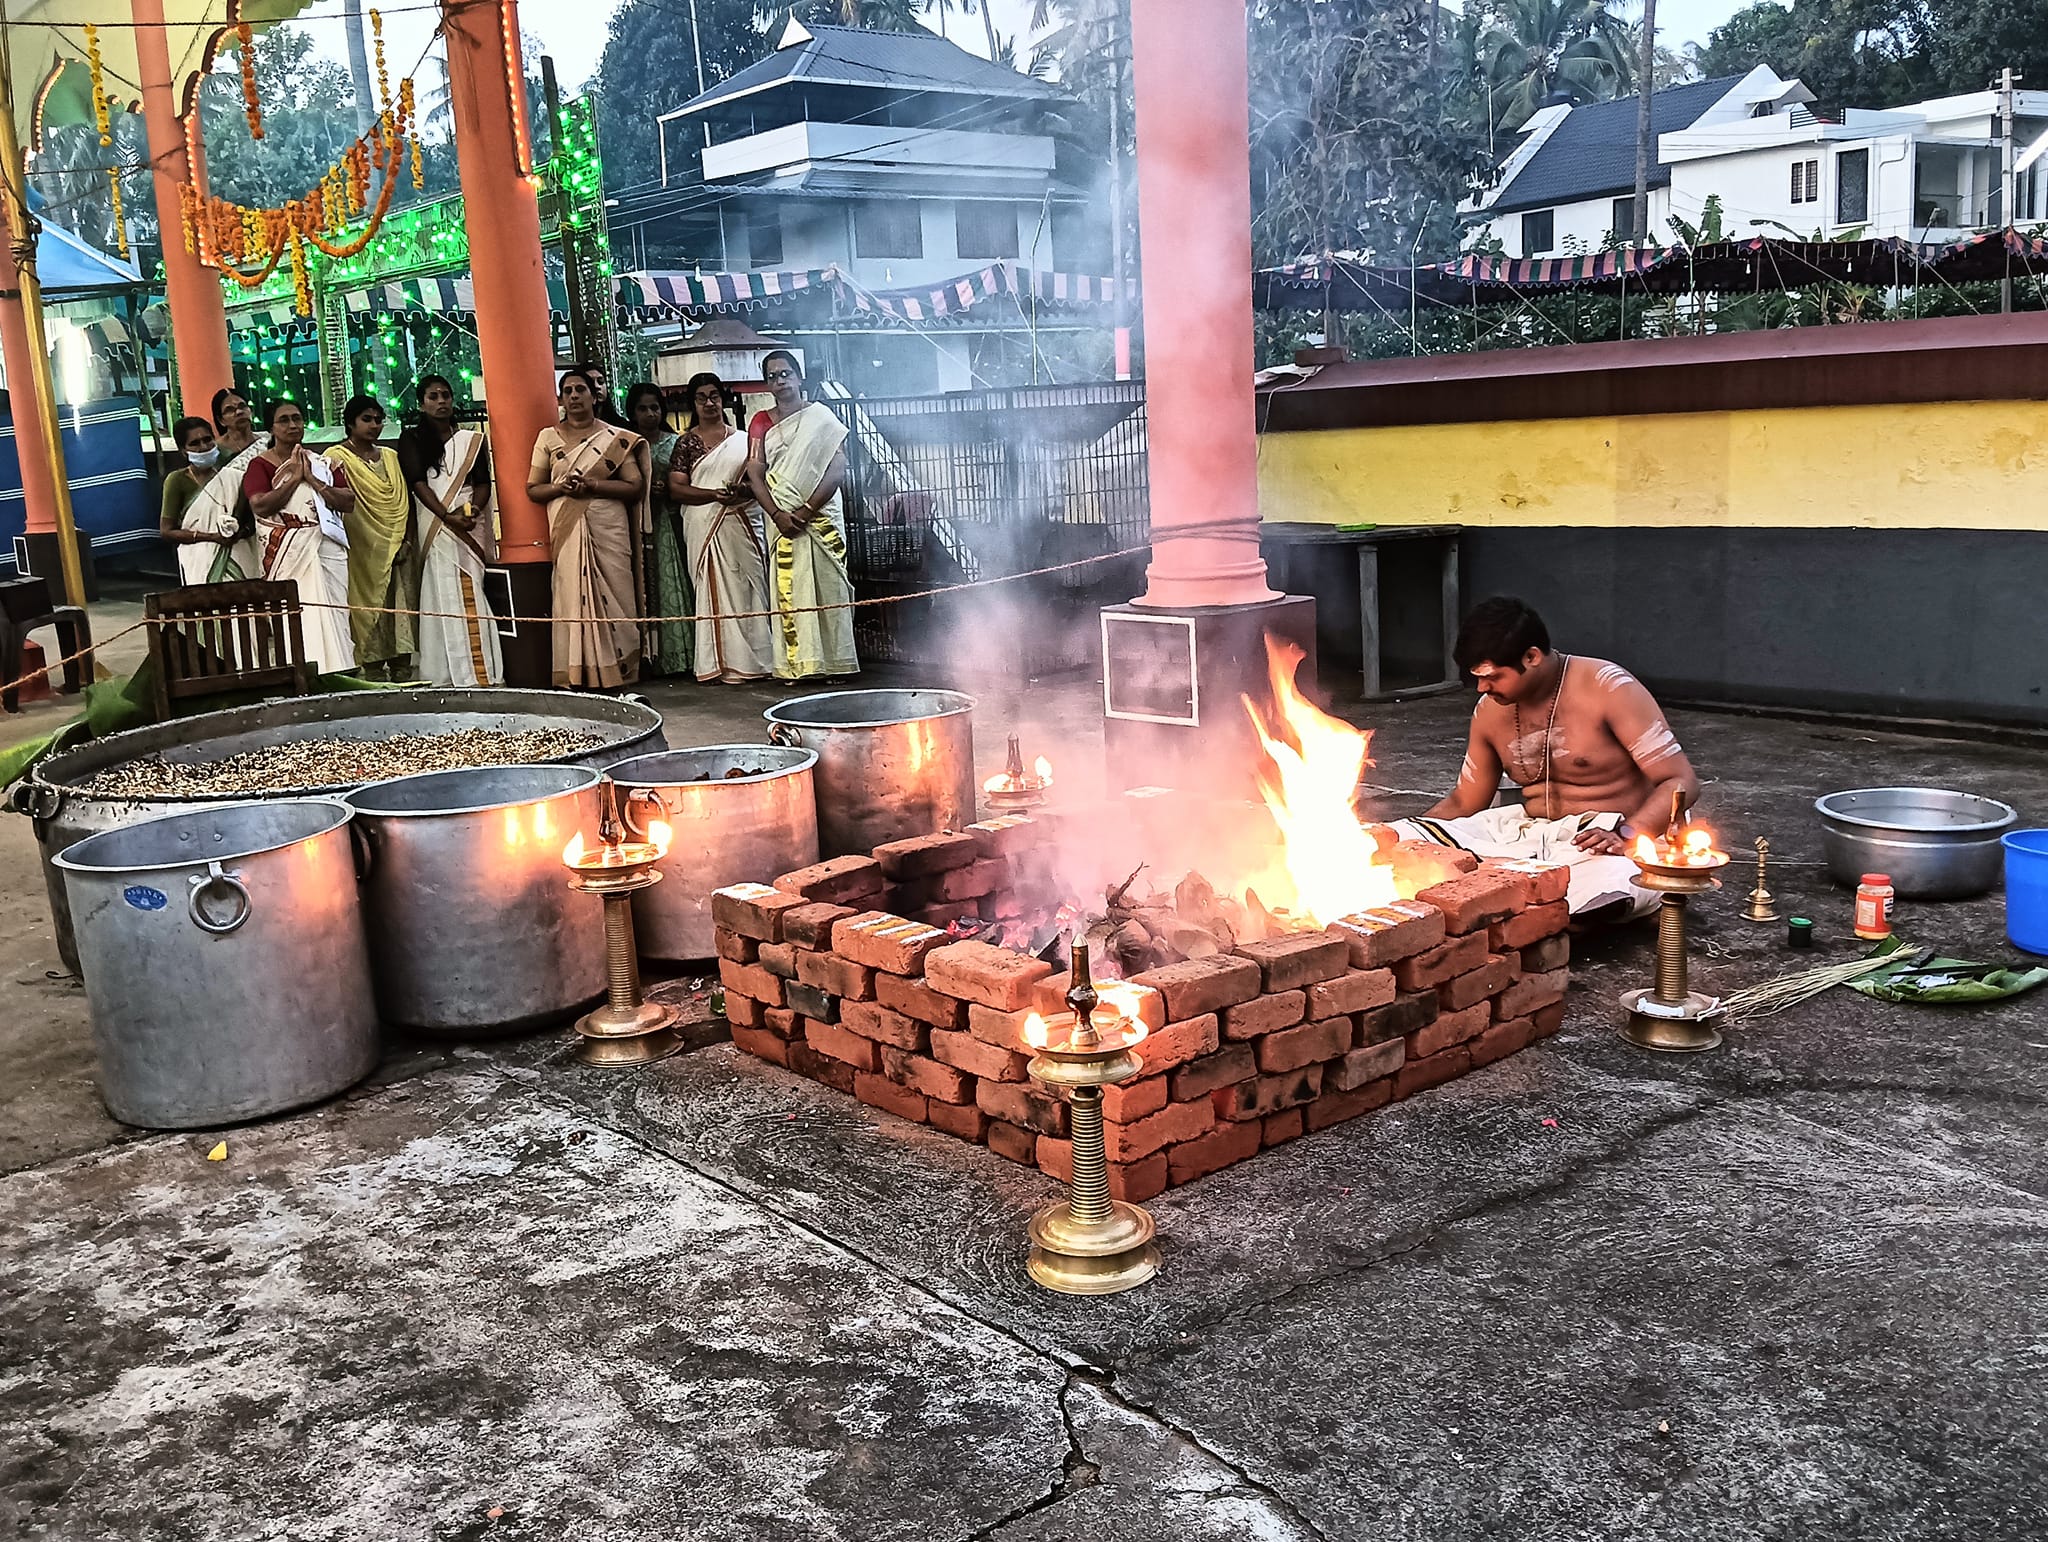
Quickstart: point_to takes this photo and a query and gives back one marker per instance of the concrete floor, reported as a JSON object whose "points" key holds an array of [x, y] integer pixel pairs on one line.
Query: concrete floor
{"points": [[1786, 1290]]}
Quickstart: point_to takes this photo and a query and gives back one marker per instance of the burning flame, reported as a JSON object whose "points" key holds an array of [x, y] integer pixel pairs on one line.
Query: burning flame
{"points": [[1035, 1032], [659, 835], [1691, 847], [1043, 768], [1316, 760], [1040, 778], [572, 854]]}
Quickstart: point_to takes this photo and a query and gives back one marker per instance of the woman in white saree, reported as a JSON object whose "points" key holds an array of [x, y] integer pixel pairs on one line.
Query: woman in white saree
{"points": [[722, 542], [289, 488], [796, 462], [449, 471]]}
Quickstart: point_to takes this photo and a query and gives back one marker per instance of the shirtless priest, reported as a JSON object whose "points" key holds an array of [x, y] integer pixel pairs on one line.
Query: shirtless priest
{"points": [[1587, 744]]}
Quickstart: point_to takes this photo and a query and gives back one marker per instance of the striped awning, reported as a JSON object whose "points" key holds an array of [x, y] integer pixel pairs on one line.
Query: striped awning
{"points": [[695, 292], [999, 280]]}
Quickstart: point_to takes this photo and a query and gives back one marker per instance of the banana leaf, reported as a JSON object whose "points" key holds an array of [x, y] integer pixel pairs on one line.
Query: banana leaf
{"points": [[1944, 981]]}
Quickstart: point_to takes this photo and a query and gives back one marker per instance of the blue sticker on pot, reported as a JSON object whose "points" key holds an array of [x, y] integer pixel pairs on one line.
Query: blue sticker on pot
{"points": [[142, 897]]}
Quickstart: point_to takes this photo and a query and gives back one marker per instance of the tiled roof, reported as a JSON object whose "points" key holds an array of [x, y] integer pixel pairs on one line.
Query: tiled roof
{"points": [[857, 56], [1592, 153]]}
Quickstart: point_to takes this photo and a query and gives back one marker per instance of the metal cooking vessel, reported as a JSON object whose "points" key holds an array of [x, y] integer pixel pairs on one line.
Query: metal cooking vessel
{"points": [[1933, 844], [224, 962], [724, 830], [51, 792], [473, 926], [891, 764]]}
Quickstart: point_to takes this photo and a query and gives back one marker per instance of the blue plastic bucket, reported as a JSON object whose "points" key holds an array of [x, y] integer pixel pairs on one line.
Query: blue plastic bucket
{"points": [[2026, 890]]}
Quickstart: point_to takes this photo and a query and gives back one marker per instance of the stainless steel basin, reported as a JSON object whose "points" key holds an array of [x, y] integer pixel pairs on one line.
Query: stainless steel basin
{"points": [[1934, 844]]}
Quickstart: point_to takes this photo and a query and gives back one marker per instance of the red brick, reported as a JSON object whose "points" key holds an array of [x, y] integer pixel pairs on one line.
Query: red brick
{"points": [[1358, 991], [763, 1046], [1364, 1065], [1012, 1141], [871, 1020], [1174, 1123], [1336, 1107], [943, 916], [1231, 1064], [981, 972], [841, 881], [1545, 1021], [922, 855], [883, 941], [1450, 1028], [1007, 833], [751, 909], [972, 882], [750, 980], [778, 958], [810, 926], [1426, 971], [1264, 1014], [1468, 903], [1267, 1095], [1132, 1182], [1403, 1016], [1419, 1075], [1292, 1048], [839, 976], [728, 944], [1128, 1102], [743, 1011], [1502, 1039], [1021, 1104], [975, 1057], [947, 1084], [1495, 975], [1201, 985], [914, 998], [836, 1042], [806, 1061], [1551, 953], [999, 1030], [1212, 1152], [810, 1001], [781, 1022], [1529, 993], [963, 1121], [1302, 958], [1276, 1129], [1531, 926], [1178, 1043], [1420, 864], [1379, 937], [890, 1097], [1541, 883]]}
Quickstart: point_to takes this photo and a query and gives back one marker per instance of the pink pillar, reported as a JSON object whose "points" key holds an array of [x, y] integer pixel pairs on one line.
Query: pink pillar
{"points": [[1195, 228]]}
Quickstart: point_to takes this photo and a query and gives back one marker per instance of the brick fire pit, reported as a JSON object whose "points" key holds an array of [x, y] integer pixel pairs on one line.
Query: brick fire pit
{"points": [[843, 972]]}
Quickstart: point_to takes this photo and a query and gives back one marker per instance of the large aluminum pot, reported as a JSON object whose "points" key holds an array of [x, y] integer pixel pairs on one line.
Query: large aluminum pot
{"points": [[473, 926], [54, 794], [891, 764], [1931, 843], [724, 829], [224, 962]]}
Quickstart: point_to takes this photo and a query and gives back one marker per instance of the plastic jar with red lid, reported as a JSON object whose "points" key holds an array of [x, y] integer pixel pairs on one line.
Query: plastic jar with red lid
{"points": [[1874, 907]]}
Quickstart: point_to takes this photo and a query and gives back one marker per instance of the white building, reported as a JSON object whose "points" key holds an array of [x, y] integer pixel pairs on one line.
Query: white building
{"points": [[1928, 171]]}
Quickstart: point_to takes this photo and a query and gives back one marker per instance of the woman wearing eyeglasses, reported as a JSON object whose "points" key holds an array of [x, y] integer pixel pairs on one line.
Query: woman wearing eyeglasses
{"points": [[796, 461], [298, 497]]}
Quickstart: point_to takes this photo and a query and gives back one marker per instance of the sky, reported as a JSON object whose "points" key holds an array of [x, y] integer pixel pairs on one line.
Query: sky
{"points": [[574, 30]]}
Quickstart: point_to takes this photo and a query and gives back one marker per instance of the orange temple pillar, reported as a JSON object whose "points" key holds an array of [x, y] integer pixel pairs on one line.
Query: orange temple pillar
{"points": [[199, 320], [38, 482], [1177, 660], [501, 212]]}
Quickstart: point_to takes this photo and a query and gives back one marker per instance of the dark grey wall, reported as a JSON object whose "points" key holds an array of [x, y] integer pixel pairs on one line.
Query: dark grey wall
{"points": [[1912, 623]]}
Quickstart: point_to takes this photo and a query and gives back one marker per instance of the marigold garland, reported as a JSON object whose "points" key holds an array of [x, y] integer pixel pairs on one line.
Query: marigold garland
{"points": [[246, 35], [99, 84], [120, 219], [383, 75]]}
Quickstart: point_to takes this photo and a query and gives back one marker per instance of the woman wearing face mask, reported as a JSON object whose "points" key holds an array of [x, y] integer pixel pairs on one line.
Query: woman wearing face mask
{"points": [[383, 573], [289, 489], [217, 506], [588, 474], [205, 556], [666, 579]]}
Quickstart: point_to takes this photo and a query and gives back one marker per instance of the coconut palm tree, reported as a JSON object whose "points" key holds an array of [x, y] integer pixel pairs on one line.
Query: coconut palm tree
{"points": [[1539, 50]]}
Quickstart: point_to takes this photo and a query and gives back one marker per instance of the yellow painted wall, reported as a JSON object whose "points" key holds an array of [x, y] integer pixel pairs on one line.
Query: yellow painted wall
{"points": [[1980, 465]]}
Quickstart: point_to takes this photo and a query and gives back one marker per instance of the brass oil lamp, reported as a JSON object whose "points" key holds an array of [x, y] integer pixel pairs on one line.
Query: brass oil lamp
{"points": [[1671, 1016], [627, 1029], [1017, 789]]}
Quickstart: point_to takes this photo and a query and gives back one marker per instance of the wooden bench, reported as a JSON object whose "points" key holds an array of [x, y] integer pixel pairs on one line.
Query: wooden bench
{"points": [[211, 639]]}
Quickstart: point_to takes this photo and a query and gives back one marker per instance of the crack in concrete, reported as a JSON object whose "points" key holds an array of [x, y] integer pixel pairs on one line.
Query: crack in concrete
{"points": [[1076, 1472]]}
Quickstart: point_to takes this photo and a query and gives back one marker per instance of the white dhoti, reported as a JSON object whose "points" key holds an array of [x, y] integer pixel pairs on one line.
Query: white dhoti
{"points": [[1512, 831]]}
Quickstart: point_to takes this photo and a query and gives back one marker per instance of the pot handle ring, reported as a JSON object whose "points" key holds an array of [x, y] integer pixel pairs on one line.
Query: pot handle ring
{"points": [[38, 800], [786, 736], [361, 849], [640, 795], [217, 876]]}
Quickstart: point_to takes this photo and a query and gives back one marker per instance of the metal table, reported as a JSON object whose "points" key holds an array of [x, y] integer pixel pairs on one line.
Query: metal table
{"points": [[1306, 559]]}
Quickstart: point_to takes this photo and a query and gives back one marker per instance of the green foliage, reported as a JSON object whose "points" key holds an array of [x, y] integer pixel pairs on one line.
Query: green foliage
{"points": [[1710, 227], [1530, 50], [70, 175], [1880, 53], [649, 67]]}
